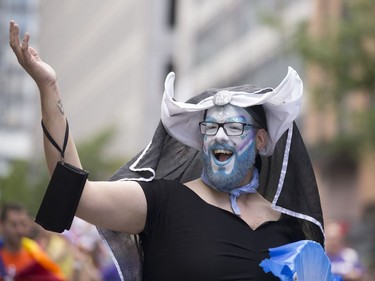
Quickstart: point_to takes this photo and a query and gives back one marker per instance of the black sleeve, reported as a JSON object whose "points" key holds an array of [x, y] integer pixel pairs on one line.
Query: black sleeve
{"points": [[156, 198]]}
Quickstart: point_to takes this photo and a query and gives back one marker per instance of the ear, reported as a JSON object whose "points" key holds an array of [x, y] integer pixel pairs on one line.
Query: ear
{"points": [[261, 139]]}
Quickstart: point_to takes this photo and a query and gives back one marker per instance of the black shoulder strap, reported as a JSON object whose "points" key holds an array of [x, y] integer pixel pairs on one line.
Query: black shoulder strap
{"points": [[62, 151]]}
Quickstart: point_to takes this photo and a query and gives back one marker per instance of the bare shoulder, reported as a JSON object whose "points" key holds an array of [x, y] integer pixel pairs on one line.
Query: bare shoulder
{"points": [[194, 184]]}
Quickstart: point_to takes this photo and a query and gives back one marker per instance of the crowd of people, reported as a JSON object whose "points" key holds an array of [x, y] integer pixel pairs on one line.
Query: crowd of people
{"points": [[30, 253]]}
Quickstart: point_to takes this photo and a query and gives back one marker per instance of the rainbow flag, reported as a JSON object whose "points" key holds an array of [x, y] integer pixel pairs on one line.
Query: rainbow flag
{"points": [[42, 269]]}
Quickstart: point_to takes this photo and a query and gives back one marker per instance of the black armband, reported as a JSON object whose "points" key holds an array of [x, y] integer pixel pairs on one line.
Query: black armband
{"points": [[63, 193]]}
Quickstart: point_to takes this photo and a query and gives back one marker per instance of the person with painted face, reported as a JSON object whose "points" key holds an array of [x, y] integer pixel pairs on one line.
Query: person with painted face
{"points": [[231, 142], [225, 178]]}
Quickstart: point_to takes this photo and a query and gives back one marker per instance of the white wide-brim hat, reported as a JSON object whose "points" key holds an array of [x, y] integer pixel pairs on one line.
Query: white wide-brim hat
{"points": [[281, 105]]}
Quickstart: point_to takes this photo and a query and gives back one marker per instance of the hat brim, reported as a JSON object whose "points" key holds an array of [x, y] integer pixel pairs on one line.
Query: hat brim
{"points": [[281, 105]]}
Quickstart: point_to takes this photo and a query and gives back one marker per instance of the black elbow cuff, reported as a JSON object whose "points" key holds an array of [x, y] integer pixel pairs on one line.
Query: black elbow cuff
{"points": [[61, 199]]}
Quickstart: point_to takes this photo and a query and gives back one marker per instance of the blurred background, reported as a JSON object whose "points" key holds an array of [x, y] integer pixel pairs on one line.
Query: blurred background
{"points": [[112, 57]]}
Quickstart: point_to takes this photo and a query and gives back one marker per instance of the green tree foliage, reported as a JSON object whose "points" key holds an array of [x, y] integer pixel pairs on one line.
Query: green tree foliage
{"points": [[26, 182], [344, 51], [95, 156]]}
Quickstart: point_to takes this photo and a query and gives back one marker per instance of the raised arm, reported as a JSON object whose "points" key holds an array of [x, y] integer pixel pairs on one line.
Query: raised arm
{"points": [[114, 205], [52, 109]]}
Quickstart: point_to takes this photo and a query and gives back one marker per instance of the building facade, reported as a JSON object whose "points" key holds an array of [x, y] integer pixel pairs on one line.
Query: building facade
{"points": [[112, 59], [18, 102]]}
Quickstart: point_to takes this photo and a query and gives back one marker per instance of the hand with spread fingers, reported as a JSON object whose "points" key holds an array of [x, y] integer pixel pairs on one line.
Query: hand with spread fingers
{"points": [[29, 59]]}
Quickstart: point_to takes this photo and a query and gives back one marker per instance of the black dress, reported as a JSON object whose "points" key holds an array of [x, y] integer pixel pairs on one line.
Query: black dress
{"points": [[185, 238]]}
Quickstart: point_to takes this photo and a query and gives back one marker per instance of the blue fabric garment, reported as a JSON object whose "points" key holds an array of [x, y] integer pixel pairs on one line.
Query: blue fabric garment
{"points": [[304, 260], [251, 187]]}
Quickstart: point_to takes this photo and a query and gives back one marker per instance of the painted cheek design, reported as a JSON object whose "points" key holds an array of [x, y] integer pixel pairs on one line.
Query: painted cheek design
{"points": [[245, 146], [247, 140], [205, 144]]}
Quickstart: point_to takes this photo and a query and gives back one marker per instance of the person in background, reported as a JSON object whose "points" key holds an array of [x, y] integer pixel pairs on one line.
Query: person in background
{"points": [[344, 259], [77, 251], [23, 258]]}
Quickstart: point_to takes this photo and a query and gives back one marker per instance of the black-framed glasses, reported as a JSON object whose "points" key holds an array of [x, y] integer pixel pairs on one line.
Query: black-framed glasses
{"points": [[230, 128]]}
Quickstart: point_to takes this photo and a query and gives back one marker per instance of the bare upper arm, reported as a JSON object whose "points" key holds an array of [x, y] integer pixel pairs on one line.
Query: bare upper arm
{"points": [[119, 206]]}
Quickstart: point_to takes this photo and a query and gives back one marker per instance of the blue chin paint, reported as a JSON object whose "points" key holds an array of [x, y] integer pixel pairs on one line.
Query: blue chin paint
{"points": [[217, 175]]}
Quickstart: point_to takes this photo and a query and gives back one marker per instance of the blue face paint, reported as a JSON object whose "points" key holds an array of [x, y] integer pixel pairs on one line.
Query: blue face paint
{"points": [[227, 160]]}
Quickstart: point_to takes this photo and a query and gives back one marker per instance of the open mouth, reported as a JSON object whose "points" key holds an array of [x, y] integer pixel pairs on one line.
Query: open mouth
{"points": [[222, 155]]}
